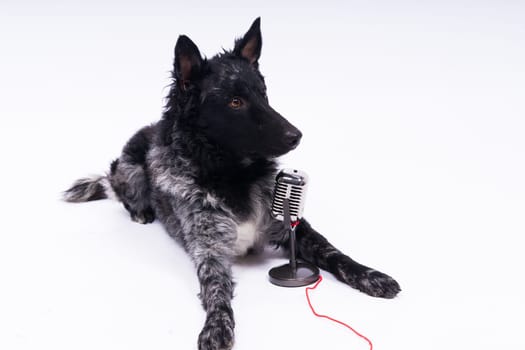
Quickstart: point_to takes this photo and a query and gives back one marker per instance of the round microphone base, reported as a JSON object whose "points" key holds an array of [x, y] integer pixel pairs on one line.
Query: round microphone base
{"points": [[285, 276]]}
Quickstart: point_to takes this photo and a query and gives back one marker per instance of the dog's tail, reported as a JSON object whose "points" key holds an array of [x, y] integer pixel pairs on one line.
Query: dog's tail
{"points": [[89, 189]]}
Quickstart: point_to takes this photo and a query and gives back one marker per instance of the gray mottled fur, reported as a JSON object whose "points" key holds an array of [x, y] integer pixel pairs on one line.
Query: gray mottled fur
{"points": [[208, 230]]}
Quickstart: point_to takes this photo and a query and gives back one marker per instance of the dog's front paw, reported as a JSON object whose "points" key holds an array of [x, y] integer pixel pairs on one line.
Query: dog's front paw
{"points": [[217, 333], [145, 216], [377, 284]]}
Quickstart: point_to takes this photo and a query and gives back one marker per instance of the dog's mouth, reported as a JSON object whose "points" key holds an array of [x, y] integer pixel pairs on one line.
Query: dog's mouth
{"points": [[274, 152]]}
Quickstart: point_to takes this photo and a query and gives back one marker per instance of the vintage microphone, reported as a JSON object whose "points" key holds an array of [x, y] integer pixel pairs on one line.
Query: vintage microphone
{"points": [[287, 206]]}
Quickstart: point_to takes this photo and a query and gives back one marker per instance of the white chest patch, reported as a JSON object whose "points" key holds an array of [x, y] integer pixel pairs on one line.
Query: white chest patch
{"points": [[247, 237], [250, 233]]}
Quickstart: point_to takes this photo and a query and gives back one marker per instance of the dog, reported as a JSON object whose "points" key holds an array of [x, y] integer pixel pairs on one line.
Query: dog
{"points": [[207, 171]]}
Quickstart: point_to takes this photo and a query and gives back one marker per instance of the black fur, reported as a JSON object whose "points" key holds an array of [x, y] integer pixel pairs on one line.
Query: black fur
{"points": [[206, 170]]}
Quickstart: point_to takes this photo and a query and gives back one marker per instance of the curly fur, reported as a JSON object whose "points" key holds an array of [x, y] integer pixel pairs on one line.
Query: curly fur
{"points": [[206, 172]]}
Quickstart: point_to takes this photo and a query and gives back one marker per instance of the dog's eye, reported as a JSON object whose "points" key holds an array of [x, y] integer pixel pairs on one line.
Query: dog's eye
{"points": [[236, 103]]}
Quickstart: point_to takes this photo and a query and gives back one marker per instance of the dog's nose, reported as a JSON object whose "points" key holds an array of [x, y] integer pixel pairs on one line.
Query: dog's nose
{"points": [[293, 138]]}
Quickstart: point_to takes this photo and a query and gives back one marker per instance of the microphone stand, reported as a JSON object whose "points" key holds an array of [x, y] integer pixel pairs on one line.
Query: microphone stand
{"points": [[291, 230], [295, 273]]}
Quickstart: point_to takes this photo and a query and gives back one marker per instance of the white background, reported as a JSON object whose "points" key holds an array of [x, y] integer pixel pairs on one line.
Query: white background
{"points": [[413, 118]]}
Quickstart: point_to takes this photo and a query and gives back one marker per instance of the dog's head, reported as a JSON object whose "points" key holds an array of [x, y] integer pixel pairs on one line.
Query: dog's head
{"points": [[232, 108]]}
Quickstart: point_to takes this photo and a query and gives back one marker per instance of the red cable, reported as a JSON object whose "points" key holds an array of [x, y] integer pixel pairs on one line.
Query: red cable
{"points": [[330, 318]]}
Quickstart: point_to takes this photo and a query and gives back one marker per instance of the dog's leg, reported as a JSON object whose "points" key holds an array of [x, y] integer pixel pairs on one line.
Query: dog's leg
{"points": [[314, 248], [208, 236], [216, 293], [129, 179]]}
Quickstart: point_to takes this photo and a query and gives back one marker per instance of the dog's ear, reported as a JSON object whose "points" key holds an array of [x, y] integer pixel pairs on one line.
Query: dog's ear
{"points": [[249, 46], [188, 62]]}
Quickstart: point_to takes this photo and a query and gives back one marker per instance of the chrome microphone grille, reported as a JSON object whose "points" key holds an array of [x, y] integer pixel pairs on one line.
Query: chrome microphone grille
{"points": [[290, 184]]}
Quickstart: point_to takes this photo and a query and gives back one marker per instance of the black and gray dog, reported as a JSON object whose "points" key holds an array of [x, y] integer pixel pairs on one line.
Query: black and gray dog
{"points": [[206, 170]]}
